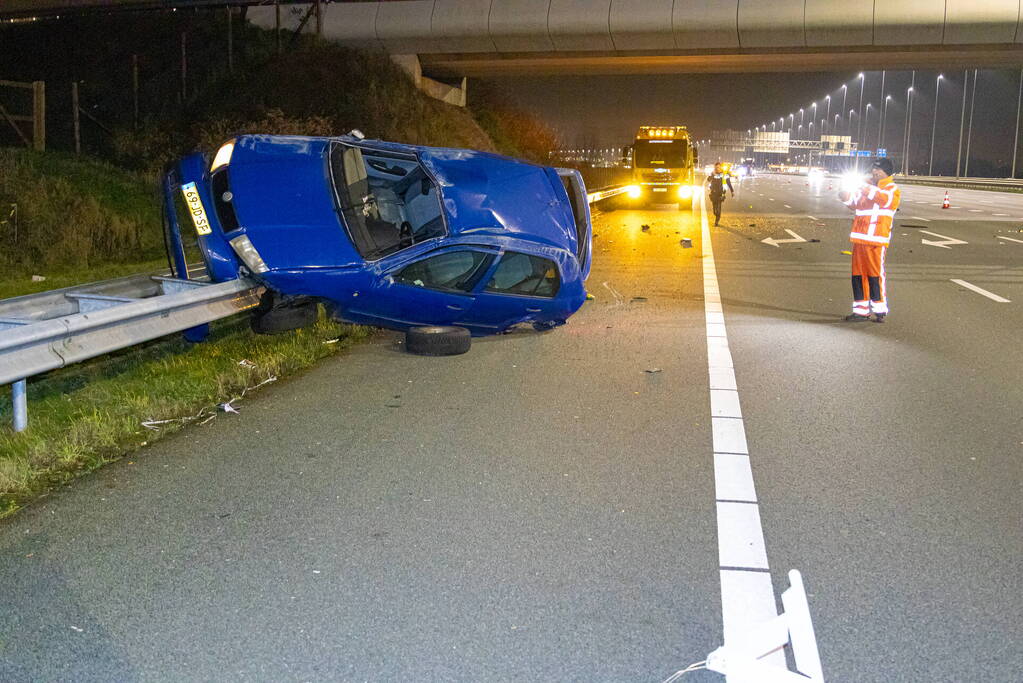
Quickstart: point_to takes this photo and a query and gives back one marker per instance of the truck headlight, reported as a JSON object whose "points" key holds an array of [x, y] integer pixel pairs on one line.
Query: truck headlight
{"points": [[248, 254], [634, 191], [685, 191], [223, 156]]}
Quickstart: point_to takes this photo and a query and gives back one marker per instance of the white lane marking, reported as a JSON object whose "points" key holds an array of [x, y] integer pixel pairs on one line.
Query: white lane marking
{"points": [[770, 199], [943, 244], [921, 218], [740, 536], [733, 478], [747, 594], [729, 435], [786, 206], [1011, 239], [813, 218], [999, 214], [975, 210], [724, 403], [982, 292], [743, 595]]}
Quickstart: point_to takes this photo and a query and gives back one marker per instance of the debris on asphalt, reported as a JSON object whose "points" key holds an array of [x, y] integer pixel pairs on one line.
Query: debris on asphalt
{"points": [[590, 297], [813, 239], [752, 225], [645, 227], [847, 253], [639, 298], [226, 407], [686, 243], [395, 402], [652, 371]]}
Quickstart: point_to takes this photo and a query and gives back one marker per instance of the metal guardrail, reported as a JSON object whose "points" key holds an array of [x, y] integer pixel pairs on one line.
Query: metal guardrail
{"points": [[997, 184], [49, 330]]}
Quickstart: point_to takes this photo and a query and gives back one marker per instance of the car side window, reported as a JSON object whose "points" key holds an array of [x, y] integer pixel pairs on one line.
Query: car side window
{"points": [[453, 271], [525, 275]]}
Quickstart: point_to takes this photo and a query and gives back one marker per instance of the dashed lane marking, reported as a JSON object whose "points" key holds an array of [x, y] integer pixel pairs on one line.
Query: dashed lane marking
{"points": [[982, 292], [920, 218]]}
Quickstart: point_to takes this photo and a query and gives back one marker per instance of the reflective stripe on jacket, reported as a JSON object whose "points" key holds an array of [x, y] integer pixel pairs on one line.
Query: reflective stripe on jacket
{"points": [[875, 208]]}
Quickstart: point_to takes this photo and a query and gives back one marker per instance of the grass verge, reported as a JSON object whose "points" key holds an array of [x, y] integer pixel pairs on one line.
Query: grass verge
{"points": [[86, 415]]}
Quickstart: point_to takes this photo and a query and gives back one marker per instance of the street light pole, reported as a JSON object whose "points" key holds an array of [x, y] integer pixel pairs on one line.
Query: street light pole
{"points": [[845, 94], [884, 119], [934, 124], [859, 116], [909, 125], [827, 116], [969, 128], [866, 124], [962, 122], [1015, 140]]}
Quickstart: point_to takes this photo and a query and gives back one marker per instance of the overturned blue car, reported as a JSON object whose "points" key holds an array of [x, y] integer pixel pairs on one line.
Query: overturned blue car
{"points": [[392, 235]]}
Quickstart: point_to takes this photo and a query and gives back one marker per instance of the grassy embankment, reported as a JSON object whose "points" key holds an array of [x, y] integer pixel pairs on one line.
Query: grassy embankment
{"points": [[84, 220]]}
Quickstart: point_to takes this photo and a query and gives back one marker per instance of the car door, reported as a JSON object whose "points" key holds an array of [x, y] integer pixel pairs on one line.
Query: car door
{"points": [[522, 287], [435, 289]]}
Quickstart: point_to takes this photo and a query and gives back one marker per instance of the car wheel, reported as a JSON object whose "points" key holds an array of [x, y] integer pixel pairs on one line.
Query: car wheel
{"points": [[547, 325], [437, 340], [284, 318]]}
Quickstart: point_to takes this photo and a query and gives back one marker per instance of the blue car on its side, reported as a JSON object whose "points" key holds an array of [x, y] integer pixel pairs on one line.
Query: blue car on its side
{"points": [[384, 234]]}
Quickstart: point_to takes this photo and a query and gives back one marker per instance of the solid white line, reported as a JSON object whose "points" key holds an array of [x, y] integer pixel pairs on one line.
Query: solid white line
{"points": [[747, 598], [729, 435], [733, 478], [982, 292], [920, 218], [813, 218], [724, 403], [740, 537], [999, 214], [1011, 239], [722, 378]]}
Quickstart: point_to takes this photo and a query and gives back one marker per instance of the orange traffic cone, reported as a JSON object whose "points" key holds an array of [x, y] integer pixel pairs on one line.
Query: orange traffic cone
{"points": [[830, 187], [945, 202]]}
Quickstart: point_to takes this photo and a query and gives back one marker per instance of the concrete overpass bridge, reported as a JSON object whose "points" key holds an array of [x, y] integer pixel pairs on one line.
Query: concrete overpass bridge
{"points": [[455, 38]]}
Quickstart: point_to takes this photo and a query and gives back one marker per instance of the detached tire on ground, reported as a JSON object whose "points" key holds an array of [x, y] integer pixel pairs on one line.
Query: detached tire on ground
{"points": [[284, 318], [437, 340]]}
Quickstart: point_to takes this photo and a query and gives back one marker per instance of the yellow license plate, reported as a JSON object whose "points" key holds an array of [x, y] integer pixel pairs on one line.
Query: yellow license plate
{"points": [[196, 209]]}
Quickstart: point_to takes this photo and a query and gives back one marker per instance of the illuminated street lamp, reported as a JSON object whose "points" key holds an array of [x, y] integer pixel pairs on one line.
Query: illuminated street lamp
{"points": [[845, 92], [827, 116], [934, 124], [884, 117], [909, 126], [859, 118], [866, 123]]}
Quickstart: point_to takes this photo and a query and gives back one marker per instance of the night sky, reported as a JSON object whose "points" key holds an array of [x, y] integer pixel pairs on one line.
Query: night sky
{"points": [[604, 111]]}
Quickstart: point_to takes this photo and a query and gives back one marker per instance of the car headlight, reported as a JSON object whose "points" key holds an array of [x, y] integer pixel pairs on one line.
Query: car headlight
{"points": [[223, 156], [248, 254], [685, 191], [634, 191]]}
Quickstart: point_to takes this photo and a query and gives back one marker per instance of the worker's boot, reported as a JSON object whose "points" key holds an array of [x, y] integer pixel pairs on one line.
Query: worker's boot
{"points": [[879, 317], [856, 318]]}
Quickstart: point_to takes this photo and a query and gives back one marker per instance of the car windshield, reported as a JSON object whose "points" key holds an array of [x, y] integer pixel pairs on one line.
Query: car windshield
{"points": [[387, 201], [660, 153]]}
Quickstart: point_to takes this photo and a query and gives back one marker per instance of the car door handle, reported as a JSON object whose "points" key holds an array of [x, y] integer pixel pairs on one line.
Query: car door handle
{"points": [[533, 310], [454, 308]]}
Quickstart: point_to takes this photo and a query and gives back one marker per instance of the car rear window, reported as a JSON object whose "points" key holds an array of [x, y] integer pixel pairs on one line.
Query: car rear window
{"points": [[525, 275]]}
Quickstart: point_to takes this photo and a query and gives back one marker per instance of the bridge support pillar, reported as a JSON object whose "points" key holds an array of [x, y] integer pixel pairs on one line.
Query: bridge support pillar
{"points": [[450, 94]]}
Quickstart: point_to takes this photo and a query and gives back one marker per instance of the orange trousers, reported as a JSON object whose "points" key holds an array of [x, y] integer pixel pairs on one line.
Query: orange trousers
{"points": [[868, 279]]}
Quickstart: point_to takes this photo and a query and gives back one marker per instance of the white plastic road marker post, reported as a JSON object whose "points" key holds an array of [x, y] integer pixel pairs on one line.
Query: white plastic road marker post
{"points": [[754, 632], [741, 658]]}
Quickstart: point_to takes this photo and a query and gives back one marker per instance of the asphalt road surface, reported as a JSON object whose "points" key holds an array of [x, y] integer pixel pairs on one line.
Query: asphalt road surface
{"points": [[548, 507]]}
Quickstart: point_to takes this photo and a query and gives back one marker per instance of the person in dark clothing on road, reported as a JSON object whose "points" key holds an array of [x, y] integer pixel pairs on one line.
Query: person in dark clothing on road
{"points": [[716, 183]]}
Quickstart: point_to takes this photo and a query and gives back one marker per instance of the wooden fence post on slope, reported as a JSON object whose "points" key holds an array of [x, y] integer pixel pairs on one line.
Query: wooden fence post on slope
{"points": [[74, 118], [39, 115]]}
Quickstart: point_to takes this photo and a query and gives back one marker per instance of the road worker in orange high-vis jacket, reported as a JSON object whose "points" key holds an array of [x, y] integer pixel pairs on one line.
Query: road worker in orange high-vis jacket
{"points": [[875, 204]]}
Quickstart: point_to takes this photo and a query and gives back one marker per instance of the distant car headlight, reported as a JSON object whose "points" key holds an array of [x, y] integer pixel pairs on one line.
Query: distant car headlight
{"points": [[223, 156], [248, 254], [815, 175], [634, 191], [685, 191]]}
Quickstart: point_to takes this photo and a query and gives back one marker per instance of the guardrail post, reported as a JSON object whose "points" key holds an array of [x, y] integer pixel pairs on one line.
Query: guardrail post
{"points": [[19, 399]]}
